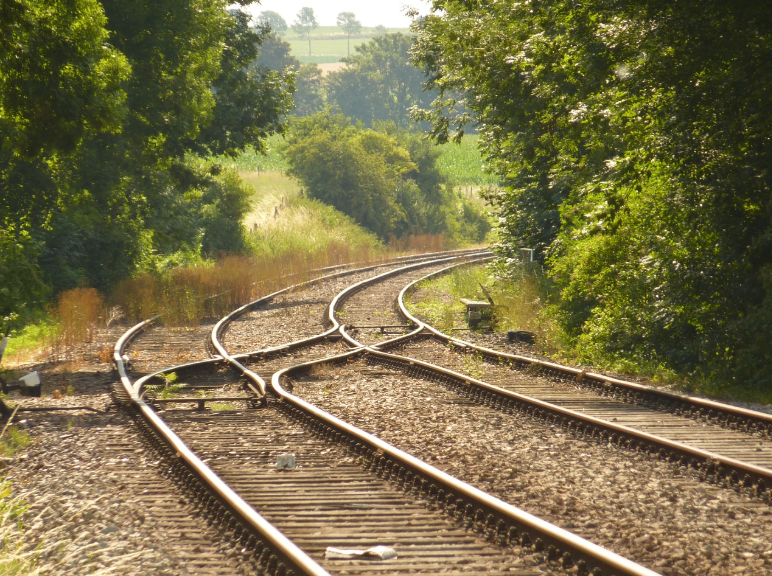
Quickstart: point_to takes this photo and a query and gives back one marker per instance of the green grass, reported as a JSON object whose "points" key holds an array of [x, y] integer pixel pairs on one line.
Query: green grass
{"points": [[462, 163], [323, 50], [520, 302], [13, 441], [27, 343], [251, 161], [283, 220]]}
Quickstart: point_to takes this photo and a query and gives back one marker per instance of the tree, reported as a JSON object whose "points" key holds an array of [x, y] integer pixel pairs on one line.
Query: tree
{"points": [[61, 84], [379, 83], [632, 140], [100, 105], [272, 20], [304, 23], [381, 30], [308, 95], [350, 25], [386, 179], [249, 102], [358, 172], [275, 53]]}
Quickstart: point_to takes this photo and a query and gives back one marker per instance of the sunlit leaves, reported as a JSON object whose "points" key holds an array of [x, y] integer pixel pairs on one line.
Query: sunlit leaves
{"points": [[634, 141]]}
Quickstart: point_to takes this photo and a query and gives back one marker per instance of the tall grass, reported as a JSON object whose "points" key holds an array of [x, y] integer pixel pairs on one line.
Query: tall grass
{"points": [[186, 296], [420, 243], [78, 311], [250, 160]]}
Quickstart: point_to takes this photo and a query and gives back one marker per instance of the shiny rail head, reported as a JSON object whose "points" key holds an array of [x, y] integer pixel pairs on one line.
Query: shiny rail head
{"points": [[528, 528]]}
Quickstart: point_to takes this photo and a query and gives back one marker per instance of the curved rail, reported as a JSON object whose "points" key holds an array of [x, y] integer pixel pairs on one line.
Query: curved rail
{"points": [[288, 556], [719, 467], [494, 517], [708, 408], [348, 292]]}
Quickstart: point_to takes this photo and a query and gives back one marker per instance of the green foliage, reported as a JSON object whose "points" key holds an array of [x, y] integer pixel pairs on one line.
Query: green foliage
{"points": [[99, 104], [309, 91], [250, 102], [632, 140], [272, 20], [22, 289], [386, 180], [59, 78], [304, 23], [275, 55], [379, 83], [356, 171], [169, 388]]}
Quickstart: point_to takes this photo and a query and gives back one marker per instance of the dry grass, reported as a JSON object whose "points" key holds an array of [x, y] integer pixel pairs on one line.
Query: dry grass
{"points": [[186, 296], [419, 243]]}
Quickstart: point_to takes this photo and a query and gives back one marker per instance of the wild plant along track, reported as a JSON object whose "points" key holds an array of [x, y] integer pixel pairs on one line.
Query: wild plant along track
{"points": [[497, 521]]}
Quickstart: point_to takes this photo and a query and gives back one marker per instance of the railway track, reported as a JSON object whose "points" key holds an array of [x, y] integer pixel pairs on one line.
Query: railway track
{"points": [[498, 529], [664, 439], [328, 499], [729, 445]]}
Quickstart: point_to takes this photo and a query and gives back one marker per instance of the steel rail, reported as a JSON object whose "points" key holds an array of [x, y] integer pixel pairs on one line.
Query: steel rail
{"points": [[494, 517], [288, 555], [351, 290], [222, 325], [703, 406], [721, 468]]}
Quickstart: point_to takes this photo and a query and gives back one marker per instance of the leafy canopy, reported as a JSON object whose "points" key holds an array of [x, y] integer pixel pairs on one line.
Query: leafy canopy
{"points": [[633, 140], [272, 20], [101, 103], [379, 83], [350, 25], [304, 24]]}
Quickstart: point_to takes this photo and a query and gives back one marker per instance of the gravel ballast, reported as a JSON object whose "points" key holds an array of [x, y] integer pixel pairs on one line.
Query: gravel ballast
{"points": [[98, 504], [640, 508]]}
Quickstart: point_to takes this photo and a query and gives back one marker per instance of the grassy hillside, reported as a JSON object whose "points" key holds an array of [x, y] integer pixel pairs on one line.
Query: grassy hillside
{"points": [[283, 220]]}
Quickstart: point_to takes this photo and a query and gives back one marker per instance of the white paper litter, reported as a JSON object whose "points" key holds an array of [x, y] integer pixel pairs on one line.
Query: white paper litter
{"points": [[285, 461], [374, 553]]}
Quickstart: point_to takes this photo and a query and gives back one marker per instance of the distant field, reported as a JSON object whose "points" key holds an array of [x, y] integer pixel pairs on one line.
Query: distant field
{"points": [[251, 161], [462, 163], [328, 43]]}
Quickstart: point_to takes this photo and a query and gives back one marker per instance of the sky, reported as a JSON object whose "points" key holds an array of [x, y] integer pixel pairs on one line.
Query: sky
{"points": [[389, 13]]}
